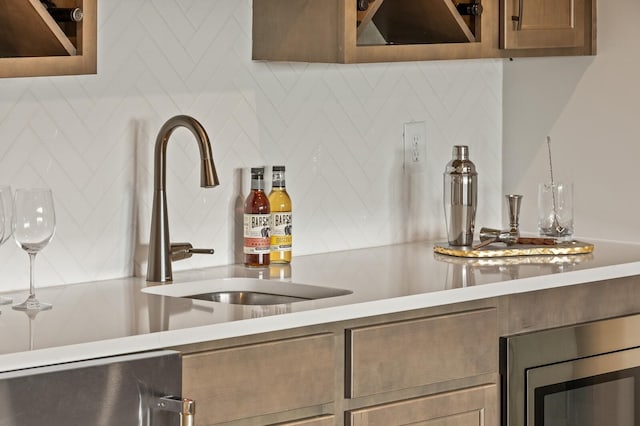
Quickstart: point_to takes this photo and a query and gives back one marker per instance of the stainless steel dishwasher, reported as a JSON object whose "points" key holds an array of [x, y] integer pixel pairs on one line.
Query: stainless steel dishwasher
{"points": [[139, 389]]}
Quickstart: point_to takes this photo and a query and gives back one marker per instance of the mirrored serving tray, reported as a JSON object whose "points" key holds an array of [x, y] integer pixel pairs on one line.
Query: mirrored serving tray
{"points": [[503, 250]]}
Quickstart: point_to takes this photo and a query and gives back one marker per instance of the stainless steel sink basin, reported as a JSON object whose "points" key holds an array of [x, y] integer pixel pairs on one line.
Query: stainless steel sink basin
{"points": [[246, 291], [247, 298]]}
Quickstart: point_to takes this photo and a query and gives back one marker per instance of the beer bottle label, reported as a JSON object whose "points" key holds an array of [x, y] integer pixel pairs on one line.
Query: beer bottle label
{"points": [[281, 231], [256, 233]]}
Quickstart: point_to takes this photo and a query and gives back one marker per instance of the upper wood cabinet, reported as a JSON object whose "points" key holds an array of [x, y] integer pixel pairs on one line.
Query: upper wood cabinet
{"points": [[33, 43], [391, 30], [414, 30], [543, 24]]}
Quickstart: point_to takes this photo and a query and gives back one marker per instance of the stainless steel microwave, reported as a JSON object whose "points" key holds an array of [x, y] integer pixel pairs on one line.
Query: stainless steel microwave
{"points": [[582, 375]]}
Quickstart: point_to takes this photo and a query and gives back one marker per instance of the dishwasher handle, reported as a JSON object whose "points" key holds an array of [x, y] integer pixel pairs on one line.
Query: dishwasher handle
{"points": [[185, 407]]}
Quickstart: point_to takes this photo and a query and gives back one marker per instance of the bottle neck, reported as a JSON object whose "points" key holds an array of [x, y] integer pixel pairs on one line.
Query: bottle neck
{"points": [[278, 180], [257, 183]]}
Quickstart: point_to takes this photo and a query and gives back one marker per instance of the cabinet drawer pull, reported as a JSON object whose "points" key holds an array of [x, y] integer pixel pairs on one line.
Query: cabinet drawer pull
{"points": [[184, 406]]}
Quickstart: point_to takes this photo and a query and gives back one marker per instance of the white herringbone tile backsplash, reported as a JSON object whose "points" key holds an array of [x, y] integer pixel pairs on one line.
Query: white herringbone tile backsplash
{"points": [[337, 128]]}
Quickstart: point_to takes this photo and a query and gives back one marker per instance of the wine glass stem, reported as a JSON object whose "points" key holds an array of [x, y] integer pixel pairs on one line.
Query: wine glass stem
{"points": [[32, 265]]}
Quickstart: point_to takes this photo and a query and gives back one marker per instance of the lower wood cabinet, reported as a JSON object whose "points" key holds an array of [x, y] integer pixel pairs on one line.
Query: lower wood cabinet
{"points": [[475, 406], [260, 379], [429, 370], [429, 367], [316, 421], [399, 355]]}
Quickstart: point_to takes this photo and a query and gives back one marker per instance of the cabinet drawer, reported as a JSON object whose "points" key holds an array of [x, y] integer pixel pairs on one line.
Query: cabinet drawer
{"points": [[419, 352], [259, 379], [477, 406], [317, 421]]}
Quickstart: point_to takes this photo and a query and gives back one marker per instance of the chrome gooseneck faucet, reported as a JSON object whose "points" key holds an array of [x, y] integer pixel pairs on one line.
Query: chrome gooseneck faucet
{"points": [[161, 251]]}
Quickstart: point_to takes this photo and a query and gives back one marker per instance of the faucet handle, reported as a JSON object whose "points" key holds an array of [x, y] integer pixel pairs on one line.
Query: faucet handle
{"points": [[181, 251]]}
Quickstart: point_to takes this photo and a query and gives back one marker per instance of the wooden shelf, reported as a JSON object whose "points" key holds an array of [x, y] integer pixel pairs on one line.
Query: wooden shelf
{"points": [[33, 44], [364, 17], [423, 22], [27, 29]]}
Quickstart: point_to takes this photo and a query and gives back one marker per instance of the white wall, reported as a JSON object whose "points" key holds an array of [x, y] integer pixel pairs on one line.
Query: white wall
{"points": [[590, 106], [337, 128]]}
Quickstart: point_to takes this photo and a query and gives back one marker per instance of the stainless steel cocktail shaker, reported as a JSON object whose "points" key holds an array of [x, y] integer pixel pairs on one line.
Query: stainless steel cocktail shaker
{"points": [[460, 197]]}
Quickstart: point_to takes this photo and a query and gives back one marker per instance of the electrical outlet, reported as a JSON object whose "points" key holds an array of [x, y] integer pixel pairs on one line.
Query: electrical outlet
{"points": [[415, 146]]}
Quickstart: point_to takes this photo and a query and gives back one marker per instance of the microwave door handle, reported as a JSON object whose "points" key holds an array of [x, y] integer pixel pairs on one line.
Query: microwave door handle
{"points": [[185, 407]]}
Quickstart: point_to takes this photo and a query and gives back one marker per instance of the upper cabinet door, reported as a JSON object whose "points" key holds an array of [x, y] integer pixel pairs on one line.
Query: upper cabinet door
{"points": [[528, 24]]}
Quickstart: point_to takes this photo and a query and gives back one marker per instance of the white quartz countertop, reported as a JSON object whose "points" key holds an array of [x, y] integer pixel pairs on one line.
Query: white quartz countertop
{"points": [[114, 317]]}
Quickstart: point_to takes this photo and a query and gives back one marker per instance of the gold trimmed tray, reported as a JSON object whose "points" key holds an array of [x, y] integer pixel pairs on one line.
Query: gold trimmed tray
{"points": [[502, 250]]}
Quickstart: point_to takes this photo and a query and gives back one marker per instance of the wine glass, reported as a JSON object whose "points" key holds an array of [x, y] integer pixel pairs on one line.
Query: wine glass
{"points": [[6, 205], [34, 223]]}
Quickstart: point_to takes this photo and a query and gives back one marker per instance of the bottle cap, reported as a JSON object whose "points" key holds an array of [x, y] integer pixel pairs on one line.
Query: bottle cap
{"points": [[461, 152], [257, 171], [278, 168]]}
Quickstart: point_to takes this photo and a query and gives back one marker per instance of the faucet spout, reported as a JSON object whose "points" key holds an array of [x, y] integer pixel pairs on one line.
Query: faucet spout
{"points": [[208, 175], [159, 262]]}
